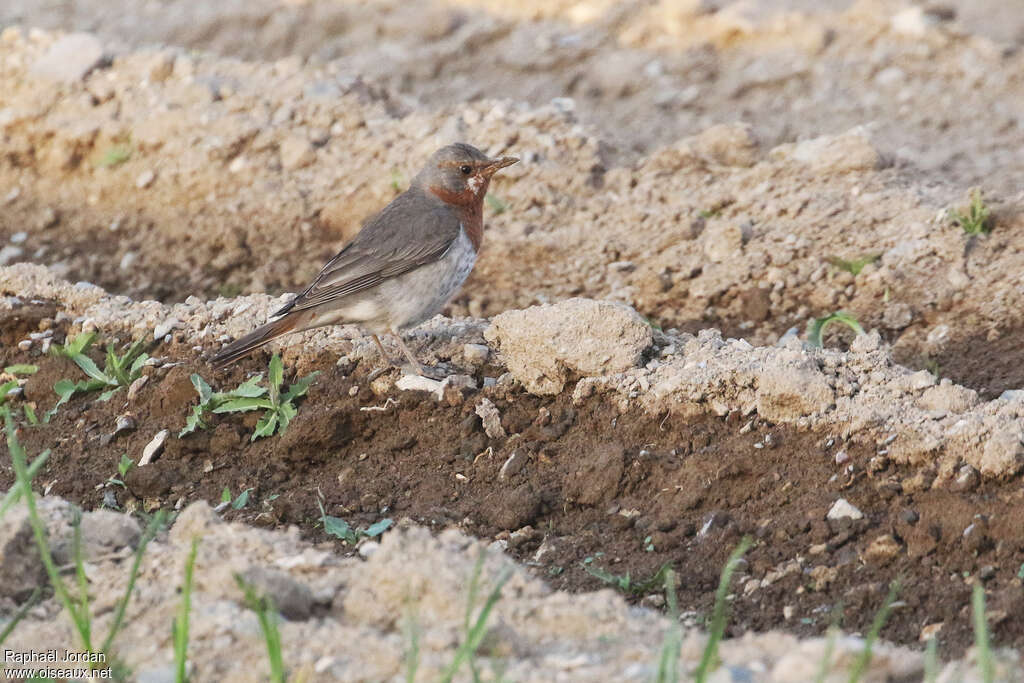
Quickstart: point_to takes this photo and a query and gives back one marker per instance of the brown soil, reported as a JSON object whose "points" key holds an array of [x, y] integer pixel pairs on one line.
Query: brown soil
{"points": [[630, 491]]}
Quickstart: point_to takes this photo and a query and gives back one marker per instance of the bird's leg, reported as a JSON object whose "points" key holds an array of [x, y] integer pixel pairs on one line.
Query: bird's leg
{"points": [[408, 355], [383, 353]]}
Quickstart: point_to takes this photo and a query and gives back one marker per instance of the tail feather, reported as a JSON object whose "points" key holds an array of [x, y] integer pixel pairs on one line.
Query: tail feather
{"points": [[255, 339]]}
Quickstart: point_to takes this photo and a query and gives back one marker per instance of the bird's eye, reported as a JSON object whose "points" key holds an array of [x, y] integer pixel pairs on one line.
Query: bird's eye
{"points": [[466, 169]]}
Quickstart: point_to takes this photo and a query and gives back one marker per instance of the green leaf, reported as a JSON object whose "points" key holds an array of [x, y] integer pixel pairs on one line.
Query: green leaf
{"points": [[242, 500], [276, 375], [249, 388], [30, 415], [241, 405], [125, 464], [64, 388], [378, 528], [78, 345], [6, 387], [136, 369], [113, 367], [193, 422], [300, 387], [266, 425], [107, 395], [202, 388], [225, 495], [21, 369], [89, 367], [285, 413], [339, 528]]}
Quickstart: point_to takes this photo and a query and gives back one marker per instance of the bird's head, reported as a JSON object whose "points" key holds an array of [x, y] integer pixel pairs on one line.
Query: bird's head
{"points": [[459, 174]]}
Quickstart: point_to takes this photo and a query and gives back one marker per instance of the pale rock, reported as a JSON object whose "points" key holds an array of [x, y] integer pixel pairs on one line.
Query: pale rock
{"points": [[420, 383], [543, 344], [1003, 453], [726, 144], [787, 391], [164, 328], [145, 179], [70, 58], [948, 397], [491, 419], [842, 508], [475, 354], [10, 254], [154, 448], [722, 241], [851, 151], [913, 21], [296, 152]]}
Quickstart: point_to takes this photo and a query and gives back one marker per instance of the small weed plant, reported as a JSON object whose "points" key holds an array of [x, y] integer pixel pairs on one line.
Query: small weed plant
{"points": [[278, 407], [976, 219], [118, 371], [342, 530]]}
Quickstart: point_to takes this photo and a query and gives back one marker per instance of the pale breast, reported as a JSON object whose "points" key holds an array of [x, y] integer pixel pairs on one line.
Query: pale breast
{"points": [[421, 294]]}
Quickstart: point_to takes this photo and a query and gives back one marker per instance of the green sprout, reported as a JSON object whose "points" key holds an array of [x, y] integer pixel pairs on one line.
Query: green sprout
{"points": [[854, 266], [625, 583], [342, 530], [976, 220], [114, 155], [816, 327]]}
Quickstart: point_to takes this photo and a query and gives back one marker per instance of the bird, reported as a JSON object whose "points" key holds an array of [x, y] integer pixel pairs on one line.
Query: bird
{"points": [[405, 264]]}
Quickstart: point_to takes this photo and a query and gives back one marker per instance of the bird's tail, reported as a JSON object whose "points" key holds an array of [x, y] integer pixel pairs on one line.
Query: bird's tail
{"points": [[255, 339]]}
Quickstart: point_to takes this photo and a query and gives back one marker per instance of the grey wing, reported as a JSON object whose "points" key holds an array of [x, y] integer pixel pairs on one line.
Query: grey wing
{"points": [[381, 251]]}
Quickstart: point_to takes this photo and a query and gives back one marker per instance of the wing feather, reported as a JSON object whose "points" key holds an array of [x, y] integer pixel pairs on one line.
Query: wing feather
{"points": [[412, 231]]}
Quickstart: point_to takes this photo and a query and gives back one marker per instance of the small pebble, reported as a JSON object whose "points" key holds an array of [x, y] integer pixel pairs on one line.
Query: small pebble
{"points": [[145, 179]]}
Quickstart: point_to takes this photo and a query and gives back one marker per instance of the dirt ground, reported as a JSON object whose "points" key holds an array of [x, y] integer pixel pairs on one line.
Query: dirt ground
{"points": [[707, 165]]}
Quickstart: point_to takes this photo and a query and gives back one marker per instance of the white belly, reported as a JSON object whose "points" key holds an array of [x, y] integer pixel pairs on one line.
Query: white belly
{"points": [[421, 294]]}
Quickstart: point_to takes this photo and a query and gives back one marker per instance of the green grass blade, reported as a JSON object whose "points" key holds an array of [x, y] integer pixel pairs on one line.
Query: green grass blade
{"points": [[668, 663], [931, 660], [266, 613], [475, 633], [830, 646], [860, 666], [155, 524], [39, 533], [710, 655], [982, 644], [14, 494], [19, 615], [83, 581], [181, 621]]}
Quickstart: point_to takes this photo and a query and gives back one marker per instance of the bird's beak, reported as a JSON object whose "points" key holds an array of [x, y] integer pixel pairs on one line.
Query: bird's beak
{"points": [[496, 165]]}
